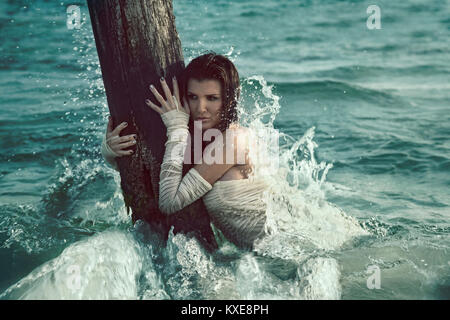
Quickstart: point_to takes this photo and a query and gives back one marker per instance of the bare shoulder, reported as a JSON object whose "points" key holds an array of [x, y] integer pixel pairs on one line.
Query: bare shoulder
{"points": [[237, 139]]}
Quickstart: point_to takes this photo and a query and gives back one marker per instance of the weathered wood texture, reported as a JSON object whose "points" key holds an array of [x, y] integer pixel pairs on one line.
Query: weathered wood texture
{"points": [[137, 43]]}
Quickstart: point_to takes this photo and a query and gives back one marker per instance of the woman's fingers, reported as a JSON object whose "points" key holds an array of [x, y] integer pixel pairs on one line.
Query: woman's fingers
{"points": [[159, 97], [186, 106], [118, 129], [154, 106], [124, 145], [130, 137], [109, 128], [176, 90], [168, 94], [114, 141], [124, 152], [173, 101], [123, 139]]}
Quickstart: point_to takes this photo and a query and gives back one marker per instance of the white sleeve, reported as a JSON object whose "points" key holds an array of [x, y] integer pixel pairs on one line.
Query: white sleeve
{"points": [[176, 192], [109, 155]]}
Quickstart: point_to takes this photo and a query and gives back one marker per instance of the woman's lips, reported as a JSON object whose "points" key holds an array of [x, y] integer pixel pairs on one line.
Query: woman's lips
{"points": [[202, 119]]}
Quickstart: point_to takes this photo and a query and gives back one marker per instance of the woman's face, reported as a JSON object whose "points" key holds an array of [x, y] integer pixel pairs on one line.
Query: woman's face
{"points": [[205, 102]]}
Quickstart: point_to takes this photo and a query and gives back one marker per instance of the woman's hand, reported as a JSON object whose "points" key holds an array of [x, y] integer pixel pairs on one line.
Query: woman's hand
{"points": [[117, 143], [173, 102]]}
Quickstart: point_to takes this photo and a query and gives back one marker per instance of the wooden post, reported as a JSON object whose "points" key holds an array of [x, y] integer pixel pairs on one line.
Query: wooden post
{"points": [[137, 43]]}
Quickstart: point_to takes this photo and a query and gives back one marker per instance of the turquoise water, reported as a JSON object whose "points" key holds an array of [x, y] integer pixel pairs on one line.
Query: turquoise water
{"points": [[372, 108]]}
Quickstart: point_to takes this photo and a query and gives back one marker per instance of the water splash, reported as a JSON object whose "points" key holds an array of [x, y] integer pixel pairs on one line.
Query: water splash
{"points": [[296, 201], [191, 273], [72, 192], [303, 227], [105, 266]]}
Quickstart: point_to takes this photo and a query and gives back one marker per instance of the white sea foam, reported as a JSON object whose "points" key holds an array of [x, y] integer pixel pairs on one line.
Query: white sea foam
{"points": [[104, 266], [303, 226]]}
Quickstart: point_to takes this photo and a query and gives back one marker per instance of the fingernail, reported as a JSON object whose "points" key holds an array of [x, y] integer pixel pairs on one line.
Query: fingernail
{"points": [[162, 79], [125, 124], [174, 78], [147, 101], [152, 87]]}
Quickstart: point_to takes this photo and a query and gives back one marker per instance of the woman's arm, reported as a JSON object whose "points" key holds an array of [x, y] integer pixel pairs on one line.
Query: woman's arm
{"points": [[176, 192]]}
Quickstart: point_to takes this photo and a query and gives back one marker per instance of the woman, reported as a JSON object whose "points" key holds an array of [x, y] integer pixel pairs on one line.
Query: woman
{"points": [[210, 94], [236, 201]]}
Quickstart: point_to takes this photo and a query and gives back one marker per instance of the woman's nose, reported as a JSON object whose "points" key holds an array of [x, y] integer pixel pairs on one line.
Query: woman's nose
{"points": [[202, 105]]}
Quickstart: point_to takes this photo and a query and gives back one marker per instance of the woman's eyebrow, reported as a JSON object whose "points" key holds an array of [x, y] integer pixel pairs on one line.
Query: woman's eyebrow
{"points": [[208, 94]]}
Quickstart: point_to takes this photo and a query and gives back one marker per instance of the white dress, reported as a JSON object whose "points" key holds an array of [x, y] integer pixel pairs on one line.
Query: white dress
{"points": [[237, 208]]}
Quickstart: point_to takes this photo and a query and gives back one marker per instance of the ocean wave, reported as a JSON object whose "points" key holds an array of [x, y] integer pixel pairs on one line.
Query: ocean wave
{"points": [[332, 89], [361, 71], [399, 156]]}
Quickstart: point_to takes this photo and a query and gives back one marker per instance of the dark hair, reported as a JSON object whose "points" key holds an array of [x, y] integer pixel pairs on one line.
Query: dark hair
{"points": [[212, 66]]}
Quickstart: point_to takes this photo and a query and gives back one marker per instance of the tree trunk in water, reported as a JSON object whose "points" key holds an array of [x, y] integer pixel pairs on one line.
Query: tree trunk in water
{"points": [[137, 43]]}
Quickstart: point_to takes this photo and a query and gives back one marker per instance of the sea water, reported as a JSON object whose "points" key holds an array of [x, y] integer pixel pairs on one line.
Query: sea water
{"points": [[361, 202]]}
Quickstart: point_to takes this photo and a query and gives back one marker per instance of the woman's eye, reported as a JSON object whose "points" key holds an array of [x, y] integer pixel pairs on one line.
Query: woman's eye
{"points": [[213, 98], [191, 96]]}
